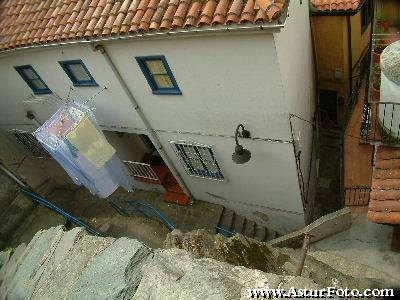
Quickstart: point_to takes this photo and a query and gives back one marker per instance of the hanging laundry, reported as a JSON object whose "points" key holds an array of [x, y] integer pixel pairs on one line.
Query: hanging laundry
{"points": [[76, 142], [91, 143]]}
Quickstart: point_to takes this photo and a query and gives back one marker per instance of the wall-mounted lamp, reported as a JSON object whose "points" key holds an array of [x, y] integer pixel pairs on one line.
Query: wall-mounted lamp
{"points": [[241, 155]]}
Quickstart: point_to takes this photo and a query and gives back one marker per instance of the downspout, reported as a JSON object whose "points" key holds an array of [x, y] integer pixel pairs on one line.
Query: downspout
{"points": [[143, 118], [350, 53], [342, 188]]}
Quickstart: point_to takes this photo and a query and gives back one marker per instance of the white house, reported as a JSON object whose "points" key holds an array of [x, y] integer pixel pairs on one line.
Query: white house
{"points": [[184, 74]]}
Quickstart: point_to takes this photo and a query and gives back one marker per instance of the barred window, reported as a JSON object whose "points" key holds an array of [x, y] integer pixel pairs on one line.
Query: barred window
{"points": [[199, 160], [30, 143]]}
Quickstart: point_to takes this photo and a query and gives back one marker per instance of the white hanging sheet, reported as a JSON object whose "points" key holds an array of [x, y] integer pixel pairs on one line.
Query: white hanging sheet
{"points": [[76, 142]]}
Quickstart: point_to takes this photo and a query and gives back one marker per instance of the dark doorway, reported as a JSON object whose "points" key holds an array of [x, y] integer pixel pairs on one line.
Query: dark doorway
{"points": [[328, 107], [147, 141], [152, 157]]}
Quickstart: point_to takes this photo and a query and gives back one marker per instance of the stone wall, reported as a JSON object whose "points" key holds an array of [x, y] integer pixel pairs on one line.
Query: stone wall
{"points": [[74, 265]]}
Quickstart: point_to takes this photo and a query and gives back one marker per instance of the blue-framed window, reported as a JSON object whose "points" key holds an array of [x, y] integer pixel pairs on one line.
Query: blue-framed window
{"points": [[33, 79], [78, 73], [158, 74], [199, 160]]}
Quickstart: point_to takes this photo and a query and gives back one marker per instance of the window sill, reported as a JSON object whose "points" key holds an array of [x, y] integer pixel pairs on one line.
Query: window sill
{"points": [[167, 92], [85, 84], [42, 92]]}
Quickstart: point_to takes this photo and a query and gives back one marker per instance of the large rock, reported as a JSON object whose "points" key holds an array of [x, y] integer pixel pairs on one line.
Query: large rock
{"points": [[67, 272], [238, 250], [390, 62], [9, 268], [111, 273], [74, 265], [20, 280], [179, 275]]}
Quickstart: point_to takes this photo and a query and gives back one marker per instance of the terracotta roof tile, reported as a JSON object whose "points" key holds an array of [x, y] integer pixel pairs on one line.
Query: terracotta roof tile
{"points": [[27, 22], [336, 5], [384, 206], [248, 13], [158, 14]]}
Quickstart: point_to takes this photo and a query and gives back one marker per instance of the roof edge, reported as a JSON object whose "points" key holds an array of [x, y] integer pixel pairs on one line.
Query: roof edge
{"points": [[315, 12], [276, 27]]}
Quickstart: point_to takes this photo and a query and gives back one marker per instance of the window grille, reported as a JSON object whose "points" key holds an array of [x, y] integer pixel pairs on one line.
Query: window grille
{"points": [[30, 143], [199, 160]]}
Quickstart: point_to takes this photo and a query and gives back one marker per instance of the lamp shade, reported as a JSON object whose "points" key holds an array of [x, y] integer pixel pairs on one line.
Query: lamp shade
{"points": [[241, 155]]}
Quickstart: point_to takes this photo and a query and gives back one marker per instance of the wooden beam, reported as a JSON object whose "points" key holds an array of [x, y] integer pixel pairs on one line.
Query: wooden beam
{"points": [[323, 227]]}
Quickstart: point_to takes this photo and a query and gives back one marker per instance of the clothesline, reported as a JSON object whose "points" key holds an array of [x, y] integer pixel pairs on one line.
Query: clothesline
{"points": [[83, 104]]}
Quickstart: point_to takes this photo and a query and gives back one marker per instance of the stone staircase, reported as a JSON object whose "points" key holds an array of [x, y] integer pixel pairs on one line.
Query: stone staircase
{"points": [[328, 197], [17, 209], [231, 223]]}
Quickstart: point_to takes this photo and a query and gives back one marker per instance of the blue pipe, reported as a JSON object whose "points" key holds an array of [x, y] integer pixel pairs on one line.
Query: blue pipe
{"points": [[224, 231], [60, 211], [158, 213]]}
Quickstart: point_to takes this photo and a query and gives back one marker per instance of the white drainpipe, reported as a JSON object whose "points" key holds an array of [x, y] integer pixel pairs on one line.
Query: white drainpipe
{"points": [[143, 118]]}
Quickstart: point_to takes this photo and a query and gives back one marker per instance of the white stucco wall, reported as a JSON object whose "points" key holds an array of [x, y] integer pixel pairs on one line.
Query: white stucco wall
{"points": [[295, 55], [225, 80], [265, 189], [109, 104], [238, 83]]}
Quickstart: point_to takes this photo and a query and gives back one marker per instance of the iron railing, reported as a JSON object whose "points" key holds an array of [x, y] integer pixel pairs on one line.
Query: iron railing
{"points": [[357, 196], [381, 123], [60, 211], [30, 143], [357, 82], [142, 170], [124, 207]]}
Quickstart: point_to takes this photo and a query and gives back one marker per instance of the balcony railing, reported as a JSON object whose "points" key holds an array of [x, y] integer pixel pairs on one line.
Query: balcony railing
{"points": [[381, 119], [357, 196], [381, 123], [141, 170]]}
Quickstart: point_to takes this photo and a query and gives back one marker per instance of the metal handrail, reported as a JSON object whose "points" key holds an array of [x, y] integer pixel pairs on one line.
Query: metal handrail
{"points": [[143, 208], [347, 115], [59, 211], [224, 231], [381, 123], [28, 191]]}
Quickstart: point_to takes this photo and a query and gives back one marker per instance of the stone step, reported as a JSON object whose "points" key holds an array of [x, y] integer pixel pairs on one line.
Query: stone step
{"points": [[178, 198], [249, 229], [350, 267], [238, 225], [227, 217], [8, 191], [40, 218], [14, 215], [20, 208], [260, 233]]}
